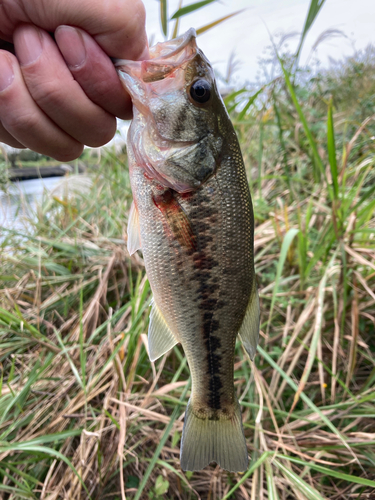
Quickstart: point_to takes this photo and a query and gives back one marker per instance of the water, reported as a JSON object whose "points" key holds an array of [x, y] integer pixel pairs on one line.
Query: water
{"points": [[18, 206]]}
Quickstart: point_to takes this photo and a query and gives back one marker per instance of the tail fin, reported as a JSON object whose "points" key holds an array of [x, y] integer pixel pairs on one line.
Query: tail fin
{"points": [[221, 441]]}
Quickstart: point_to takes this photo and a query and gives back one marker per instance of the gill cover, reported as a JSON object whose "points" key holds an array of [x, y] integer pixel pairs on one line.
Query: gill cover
{"points": [[174, 131]]}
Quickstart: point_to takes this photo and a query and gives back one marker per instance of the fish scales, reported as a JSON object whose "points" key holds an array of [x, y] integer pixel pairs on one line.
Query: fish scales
{"points": [[195, 223]]}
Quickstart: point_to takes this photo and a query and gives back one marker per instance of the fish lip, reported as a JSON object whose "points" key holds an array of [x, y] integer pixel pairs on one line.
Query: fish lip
{"points": [[185, 40], [165, 58]]}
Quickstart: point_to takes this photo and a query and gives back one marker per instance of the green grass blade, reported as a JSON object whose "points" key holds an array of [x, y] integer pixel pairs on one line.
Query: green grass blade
{"points": [[47, 451], [22, 474], [242, 113], [306, 128], [207, 27], [164, 16], [49, 438], [330, 472], [82, 352], [177, 23], [317, 331], [281, 138], [332, 151], [190, 8], [310, 492], [247, 474], [288, 239], [15, 492], [322, 247], [271, 486], [161, 444], [366, 195], [305, 398], [315, 6], [73, 367], [260, 157], [230, 97], [21, 396]]}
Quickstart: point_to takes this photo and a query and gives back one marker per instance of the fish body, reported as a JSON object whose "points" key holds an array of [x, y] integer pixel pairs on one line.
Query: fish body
{"points": [[193, 219]]}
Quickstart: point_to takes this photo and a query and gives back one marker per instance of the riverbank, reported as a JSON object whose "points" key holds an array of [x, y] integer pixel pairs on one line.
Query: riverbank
{"points": [[22, 200], [40, 172]]}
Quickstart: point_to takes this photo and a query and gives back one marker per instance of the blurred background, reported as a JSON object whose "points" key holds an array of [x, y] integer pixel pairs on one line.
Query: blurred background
{"points": [[348, 26]]}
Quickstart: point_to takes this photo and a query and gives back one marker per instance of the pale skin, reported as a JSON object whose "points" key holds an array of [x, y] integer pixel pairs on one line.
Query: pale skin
{"points": [[59, 90]]}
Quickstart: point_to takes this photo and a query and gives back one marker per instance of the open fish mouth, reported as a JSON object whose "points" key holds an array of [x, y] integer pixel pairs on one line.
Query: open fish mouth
{"points": [[175, 143], [165, 57], [162, 73]]}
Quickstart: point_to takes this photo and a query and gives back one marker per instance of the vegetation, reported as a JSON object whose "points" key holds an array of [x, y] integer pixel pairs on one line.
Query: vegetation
{"points": [[84, 414]]}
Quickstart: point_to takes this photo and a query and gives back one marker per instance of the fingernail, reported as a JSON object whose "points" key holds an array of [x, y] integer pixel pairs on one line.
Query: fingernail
{"points": [[29, 44], [72, 46], [6, 72]]}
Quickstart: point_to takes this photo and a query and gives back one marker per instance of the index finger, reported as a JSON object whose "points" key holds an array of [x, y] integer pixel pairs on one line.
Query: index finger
{"points": [[118, 26]]}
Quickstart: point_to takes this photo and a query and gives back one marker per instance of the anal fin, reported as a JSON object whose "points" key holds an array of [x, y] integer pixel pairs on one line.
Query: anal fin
{"points": [[160, 337], [134, 233], [249, 331]]}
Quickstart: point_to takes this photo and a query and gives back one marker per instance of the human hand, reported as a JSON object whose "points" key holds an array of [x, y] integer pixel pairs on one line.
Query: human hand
{"points": [[59, 94]]}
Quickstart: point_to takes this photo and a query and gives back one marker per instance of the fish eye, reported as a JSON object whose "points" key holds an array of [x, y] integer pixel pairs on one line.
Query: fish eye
{"points": [[200, 91]]}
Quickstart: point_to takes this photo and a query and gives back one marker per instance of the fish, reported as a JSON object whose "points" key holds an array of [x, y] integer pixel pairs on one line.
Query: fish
{"points": [[192, 218]]}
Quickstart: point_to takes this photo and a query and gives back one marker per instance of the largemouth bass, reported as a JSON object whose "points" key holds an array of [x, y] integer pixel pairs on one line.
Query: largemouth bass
{"points": [[192, 217]]}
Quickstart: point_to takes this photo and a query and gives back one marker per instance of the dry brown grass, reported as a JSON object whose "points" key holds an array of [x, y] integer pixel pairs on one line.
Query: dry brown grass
{"points": [[77, 382]]}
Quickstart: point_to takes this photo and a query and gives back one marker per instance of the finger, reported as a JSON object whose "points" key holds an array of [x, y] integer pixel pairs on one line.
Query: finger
{"points": [[93, 70], [118, 26], [8, 139], [25, 121], [55, 91]]}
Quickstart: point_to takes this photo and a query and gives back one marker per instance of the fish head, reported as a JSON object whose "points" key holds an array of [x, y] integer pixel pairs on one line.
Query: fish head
{"points": [[175, 133]]}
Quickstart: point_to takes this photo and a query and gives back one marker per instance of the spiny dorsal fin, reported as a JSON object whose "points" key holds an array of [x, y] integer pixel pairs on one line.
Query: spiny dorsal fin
{"points": [[134, 233], [160, 336], [249, 331]]}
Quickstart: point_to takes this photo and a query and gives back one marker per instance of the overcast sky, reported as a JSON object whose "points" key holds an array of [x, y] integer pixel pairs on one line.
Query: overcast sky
{"points": [[247, 34]]}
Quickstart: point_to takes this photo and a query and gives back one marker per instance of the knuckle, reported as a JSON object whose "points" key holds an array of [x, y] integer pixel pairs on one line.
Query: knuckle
{"points": [[19, 122], [48, 93], [135, 15], [133, 27], [100, 89]]}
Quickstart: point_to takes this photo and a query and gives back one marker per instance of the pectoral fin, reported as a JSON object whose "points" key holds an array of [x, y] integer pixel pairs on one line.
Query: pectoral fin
{"points": [[249, 331], [160, 336], [177, 221], [134, 233]]}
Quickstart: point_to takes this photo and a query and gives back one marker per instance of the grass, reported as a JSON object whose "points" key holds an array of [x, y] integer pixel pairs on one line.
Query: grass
{"points": [[84, 414]]}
